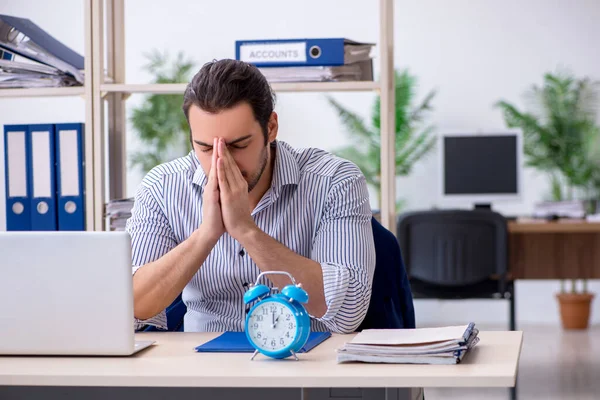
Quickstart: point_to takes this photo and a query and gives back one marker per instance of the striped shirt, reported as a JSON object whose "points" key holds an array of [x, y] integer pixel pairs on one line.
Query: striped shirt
{"points": [[317, 206]]}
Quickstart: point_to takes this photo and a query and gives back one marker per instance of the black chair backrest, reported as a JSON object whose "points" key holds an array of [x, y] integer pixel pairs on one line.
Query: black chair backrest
{"points": [[454, 247], [391, 305]]}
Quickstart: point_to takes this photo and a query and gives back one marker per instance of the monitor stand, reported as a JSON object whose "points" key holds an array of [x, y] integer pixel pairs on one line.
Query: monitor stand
{"points": [[482, 206]]}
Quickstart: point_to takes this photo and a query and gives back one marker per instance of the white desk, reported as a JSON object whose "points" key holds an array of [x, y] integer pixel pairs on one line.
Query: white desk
{"points": [[172, 362]]}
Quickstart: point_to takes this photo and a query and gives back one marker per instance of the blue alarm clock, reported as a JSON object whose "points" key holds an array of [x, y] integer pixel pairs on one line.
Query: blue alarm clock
{"points": [[278, 324]]}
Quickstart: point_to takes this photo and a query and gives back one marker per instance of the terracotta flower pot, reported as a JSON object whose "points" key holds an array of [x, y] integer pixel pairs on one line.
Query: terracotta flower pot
{"points": [[575, 309]]}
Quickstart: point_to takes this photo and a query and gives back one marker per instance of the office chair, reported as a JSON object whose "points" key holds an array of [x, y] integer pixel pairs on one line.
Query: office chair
{"points": [[391, 305], [457, 254]]}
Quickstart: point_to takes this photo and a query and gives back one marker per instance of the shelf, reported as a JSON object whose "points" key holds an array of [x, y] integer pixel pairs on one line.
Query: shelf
{"points": [[43, 92], [178, 88], [157, 88]]}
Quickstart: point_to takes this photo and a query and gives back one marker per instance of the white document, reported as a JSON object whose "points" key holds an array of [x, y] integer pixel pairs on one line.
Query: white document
{"points": [[444, 345], [410, 336], [43, 170], [68, 163], [438, 359], [285, 52], [17, 164]]}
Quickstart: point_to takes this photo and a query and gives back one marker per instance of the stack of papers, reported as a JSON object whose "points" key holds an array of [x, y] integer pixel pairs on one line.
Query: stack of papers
{"points": [[359, 71], [565, 209], [37, 59], [20, 74], [119, 211], [446, 345]]}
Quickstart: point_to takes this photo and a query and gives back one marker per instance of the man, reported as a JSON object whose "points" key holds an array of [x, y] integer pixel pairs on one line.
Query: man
{"points": [[242, 203]]}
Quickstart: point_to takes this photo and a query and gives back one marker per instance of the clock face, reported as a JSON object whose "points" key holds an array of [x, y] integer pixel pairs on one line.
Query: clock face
{"points": [[272, 325]]}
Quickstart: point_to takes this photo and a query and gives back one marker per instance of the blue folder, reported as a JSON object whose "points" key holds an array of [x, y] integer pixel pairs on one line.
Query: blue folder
{"points": [[236, 342], [42, 39], [295, 52], [5, 55], [70, 173], [42, 178], [17, 157]]}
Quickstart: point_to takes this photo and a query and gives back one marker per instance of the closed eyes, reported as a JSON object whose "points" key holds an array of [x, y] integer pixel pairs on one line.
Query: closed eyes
{"points": [[231, 147]]}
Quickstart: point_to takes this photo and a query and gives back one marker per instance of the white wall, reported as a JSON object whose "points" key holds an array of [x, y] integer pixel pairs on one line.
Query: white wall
{"points": [[473, 53]]}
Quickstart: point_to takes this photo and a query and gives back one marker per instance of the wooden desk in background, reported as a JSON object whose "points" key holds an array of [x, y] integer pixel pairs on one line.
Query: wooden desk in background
{"points": [[565, 249]]}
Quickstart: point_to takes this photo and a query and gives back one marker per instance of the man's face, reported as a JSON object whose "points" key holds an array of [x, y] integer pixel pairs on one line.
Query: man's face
{"points": [[242, 134]]}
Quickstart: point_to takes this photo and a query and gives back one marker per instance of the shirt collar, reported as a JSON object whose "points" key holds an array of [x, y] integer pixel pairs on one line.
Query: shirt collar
{"points": [[285, 171], [199, 178]]}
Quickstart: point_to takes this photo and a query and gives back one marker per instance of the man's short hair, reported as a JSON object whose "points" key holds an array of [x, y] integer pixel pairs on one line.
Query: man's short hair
{"points": [[223, 84]]}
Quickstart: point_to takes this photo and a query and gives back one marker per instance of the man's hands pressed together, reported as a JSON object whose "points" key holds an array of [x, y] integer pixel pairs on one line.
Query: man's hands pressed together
{"points": [[267, 253], [211, 208], [226, 208], [233, 190]]}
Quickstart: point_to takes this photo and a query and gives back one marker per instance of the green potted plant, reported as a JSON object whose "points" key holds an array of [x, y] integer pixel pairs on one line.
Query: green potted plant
{"points": [[414, 136], [160, 124], [560, 138]]}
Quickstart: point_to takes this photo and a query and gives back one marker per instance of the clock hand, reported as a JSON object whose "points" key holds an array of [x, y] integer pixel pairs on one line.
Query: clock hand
{"points": [[275, 320]]}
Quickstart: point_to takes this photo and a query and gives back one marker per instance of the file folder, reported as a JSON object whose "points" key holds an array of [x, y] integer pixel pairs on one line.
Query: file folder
{"points": [[16, 158], [237, 342], [39, 46], [5, 55], [70, 177], [42, 182], [302, 52]]}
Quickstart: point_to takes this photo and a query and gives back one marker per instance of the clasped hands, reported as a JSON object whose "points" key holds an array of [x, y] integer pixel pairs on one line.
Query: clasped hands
{"points": [[226, 205]]}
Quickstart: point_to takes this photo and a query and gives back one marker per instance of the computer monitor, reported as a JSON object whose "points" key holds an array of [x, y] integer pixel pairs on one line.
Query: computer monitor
{"points": [[481, 168]]}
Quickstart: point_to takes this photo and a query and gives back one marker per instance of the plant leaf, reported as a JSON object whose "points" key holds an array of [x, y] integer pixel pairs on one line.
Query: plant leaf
{"points": [[159, 121], [560, 131], [353, 123], [413, 138]]}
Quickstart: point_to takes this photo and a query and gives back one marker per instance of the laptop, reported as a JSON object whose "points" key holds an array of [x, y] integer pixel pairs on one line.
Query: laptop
{"points": [[66, 293]]}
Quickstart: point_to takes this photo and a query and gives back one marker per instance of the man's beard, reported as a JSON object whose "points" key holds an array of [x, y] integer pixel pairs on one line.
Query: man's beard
{"points": [[263, 164]]}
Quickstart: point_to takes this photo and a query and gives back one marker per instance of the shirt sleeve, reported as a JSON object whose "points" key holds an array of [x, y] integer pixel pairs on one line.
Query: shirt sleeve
{"points": [[345, 249], [151, 238]]}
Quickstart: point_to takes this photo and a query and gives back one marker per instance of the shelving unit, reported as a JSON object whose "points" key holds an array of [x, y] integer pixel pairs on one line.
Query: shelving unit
{"points": [[105, 98], [43, 92], [178, 88], [85, 92]]}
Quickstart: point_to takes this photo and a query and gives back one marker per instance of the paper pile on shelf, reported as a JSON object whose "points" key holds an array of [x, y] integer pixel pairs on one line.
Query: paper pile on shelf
{"points": [[564, 209], [17, 74], [445, 345], [360, 71], [33, 58], [118, 212]]}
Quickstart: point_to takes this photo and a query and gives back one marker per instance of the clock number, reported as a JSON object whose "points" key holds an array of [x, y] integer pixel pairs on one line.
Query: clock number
{"points": [[259, 334], [281, 341], [287, 317], [265, 311], [273, 309], [291, 325], [281, 311], [259, 318], [287, 334], [264, 341], [255, 325], [273, 343]]}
